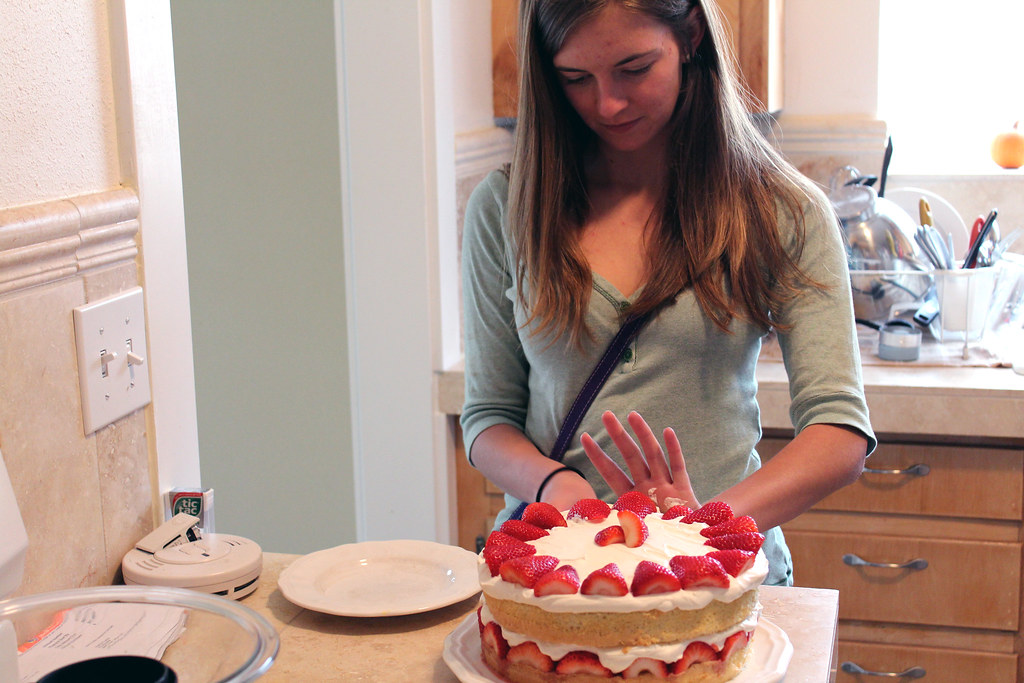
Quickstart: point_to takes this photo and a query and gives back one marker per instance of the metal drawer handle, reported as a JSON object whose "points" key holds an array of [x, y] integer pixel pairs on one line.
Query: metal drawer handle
{"points": [[918, 470], [855, 561], [914, 672]]}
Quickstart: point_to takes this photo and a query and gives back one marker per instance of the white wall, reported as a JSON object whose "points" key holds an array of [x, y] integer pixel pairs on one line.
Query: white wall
{"points": [[57, 127]]}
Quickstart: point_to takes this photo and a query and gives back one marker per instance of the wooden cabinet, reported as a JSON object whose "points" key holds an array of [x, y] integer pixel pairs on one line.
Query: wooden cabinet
{"points": [[926, 552], [755, 27]]}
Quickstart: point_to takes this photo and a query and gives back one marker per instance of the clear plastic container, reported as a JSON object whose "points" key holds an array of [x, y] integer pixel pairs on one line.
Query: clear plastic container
{"points": [[965, 300], [223, 641]]}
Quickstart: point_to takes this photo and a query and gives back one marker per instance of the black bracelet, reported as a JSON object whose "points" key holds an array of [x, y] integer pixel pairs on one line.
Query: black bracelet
{"points": [[552, 473]]}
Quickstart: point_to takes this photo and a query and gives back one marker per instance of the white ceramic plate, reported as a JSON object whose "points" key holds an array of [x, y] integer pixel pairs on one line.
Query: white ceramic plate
{"points": [[767, 662], [381, 578], [945, 216]]}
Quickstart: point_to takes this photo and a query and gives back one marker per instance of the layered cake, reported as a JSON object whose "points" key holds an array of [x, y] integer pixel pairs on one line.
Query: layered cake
{"points": [[620, 591]]}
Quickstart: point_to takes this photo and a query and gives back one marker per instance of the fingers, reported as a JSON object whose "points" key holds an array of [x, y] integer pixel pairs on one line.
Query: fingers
{"points": [[655, 461], [631, 453], [605, 466]]}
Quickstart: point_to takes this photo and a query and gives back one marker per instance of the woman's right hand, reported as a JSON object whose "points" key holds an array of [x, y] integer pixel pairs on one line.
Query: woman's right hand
{"points": [[652, 472]]}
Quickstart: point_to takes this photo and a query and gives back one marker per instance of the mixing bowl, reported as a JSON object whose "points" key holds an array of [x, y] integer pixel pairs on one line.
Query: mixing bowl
{"points": [[223, 640]]}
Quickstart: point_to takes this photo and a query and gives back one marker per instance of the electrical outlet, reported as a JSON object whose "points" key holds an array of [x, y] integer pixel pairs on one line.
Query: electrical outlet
{"points": [[111, 340]]}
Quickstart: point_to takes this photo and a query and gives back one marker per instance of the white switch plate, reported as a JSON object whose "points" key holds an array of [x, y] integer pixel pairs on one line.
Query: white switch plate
{"points": [[106, 332]]}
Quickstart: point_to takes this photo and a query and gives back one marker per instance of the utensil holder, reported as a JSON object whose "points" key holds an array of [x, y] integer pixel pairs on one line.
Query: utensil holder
{"points": [[965, 298]]}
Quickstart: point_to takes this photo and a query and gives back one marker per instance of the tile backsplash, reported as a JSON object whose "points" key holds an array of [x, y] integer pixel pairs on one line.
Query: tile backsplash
{"points": [[85, 499]]}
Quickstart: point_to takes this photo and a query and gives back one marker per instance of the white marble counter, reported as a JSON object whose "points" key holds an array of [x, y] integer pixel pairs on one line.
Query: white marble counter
{"points": [[322, 647]]}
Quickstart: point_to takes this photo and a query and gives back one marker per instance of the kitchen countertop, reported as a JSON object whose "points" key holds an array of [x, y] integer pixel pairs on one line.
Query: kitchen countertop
{"points": [[909, 399], [323, 647]]}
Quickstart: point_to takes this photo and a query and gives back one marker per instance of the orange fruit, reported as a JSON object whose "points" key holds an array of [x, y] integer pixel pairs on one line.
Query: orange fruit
{"points": [[1008, 148]]}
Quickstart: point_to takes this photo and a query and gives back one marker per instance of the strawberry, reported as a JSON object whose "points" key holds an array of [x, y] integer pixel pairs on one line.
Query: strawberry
{"points": [[712, 513], [517, 528], [695, 653], [480, 619], [650, 578], [750, 540], [736, 525], [527, 569], [609, 535], [528, 653], [608, 580], [633, 528], [655, 667], [734, 560], [501, 547], [699, 571], [637, 502], [590, 509], [580, 662], [544, 515], [492, 639], [676, 511], [562, 581], [737, 641]]}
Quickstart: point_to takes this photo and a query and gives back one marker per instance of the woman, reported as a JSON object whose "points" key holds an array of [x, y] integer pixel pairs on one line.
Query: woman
{"points": [[638, 184]]}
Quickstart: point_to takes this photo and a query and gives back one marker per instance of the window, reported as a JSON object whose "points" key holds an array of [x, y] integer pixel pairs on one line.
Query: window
{"points": [[951, 76]]}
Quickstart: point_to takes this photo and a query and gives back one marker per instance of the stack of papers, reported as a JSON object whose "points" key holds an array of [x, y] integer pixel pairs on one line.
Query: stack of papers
{"points": [[103, 629]]}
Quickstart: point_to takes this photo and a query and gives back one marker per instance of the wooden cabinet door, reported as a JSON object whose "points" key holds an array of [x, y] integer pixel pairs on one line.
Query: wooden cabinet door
{"points": [[940, 665], [755, 27], [972, 584]]}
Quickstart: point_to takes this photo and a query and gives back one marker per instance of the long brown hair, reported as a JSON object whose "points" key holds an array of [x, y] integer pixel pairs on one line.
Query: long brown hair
{"points": [[717, 230]]}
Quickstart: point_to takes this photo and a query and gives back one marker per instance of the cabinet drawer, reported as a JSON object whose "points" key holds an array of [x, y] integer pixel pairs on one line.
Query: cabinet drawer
{"points": [[940, 665], [980, 483], [972, 584]]}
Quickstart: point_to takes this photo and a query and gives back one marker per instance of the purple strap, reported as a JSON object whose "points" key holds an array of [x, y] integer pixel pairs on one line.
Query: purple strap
{"points": [[594, 383], [589, 391]]}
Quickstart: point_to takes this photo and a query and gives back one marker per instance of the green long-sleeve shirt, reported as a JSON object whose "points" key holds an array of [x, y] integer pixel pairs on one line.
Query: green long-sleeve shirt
{"points": [[680, 371]]}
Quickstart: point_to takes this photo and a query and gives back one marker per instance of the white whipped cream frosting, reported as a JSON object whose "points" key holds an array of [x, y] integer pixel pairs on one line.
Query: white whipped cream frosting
{"points": [[574, 545], [619, 658]]}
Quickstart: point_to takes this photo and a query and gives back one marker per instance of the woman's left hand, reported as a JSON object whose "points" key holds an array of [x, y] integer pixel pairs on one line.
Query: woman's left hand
{"points": [[665, 481]]}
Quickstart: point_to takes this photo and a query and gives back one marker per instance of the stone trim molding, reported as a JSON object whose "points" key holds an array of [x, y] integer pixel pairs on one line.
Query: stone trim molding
{"points": [[50, 241], [818, 145]]}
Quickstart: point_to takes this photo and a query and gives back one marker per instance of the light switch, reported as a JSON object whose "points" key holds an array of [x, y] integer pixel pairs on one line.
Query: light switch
{"points": [[111, 339]]}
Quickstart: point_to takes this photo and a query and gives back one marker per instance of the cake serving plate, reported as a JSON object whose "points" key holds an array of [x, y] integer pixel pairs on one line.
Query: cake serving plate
{"points": [[381, 578], [767, 663]]}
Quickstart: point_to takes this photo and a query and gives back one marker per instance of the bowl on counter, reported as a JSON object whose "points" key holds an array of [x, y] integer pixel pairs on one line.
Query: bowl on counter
{"points": [[206, 638]]}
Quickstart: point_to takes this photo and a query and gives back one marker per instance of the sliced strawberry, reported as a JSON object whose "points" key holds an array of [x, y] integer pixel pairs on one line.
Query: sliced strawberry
{"points": [[633, 528], [699, 571], [501, 548], [736, 525], [580, 662], [677, 511], [637, 502], [562, 581], [544, 515], [712, 513], [590, 509], [655, 667], [480, 618], [528, 653], [734, 560], [650, 578], [737, 641], [527, 569], [492, 639], [750, 540], [609, 535], [524, 531], [695, 653], [608, 580]]}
